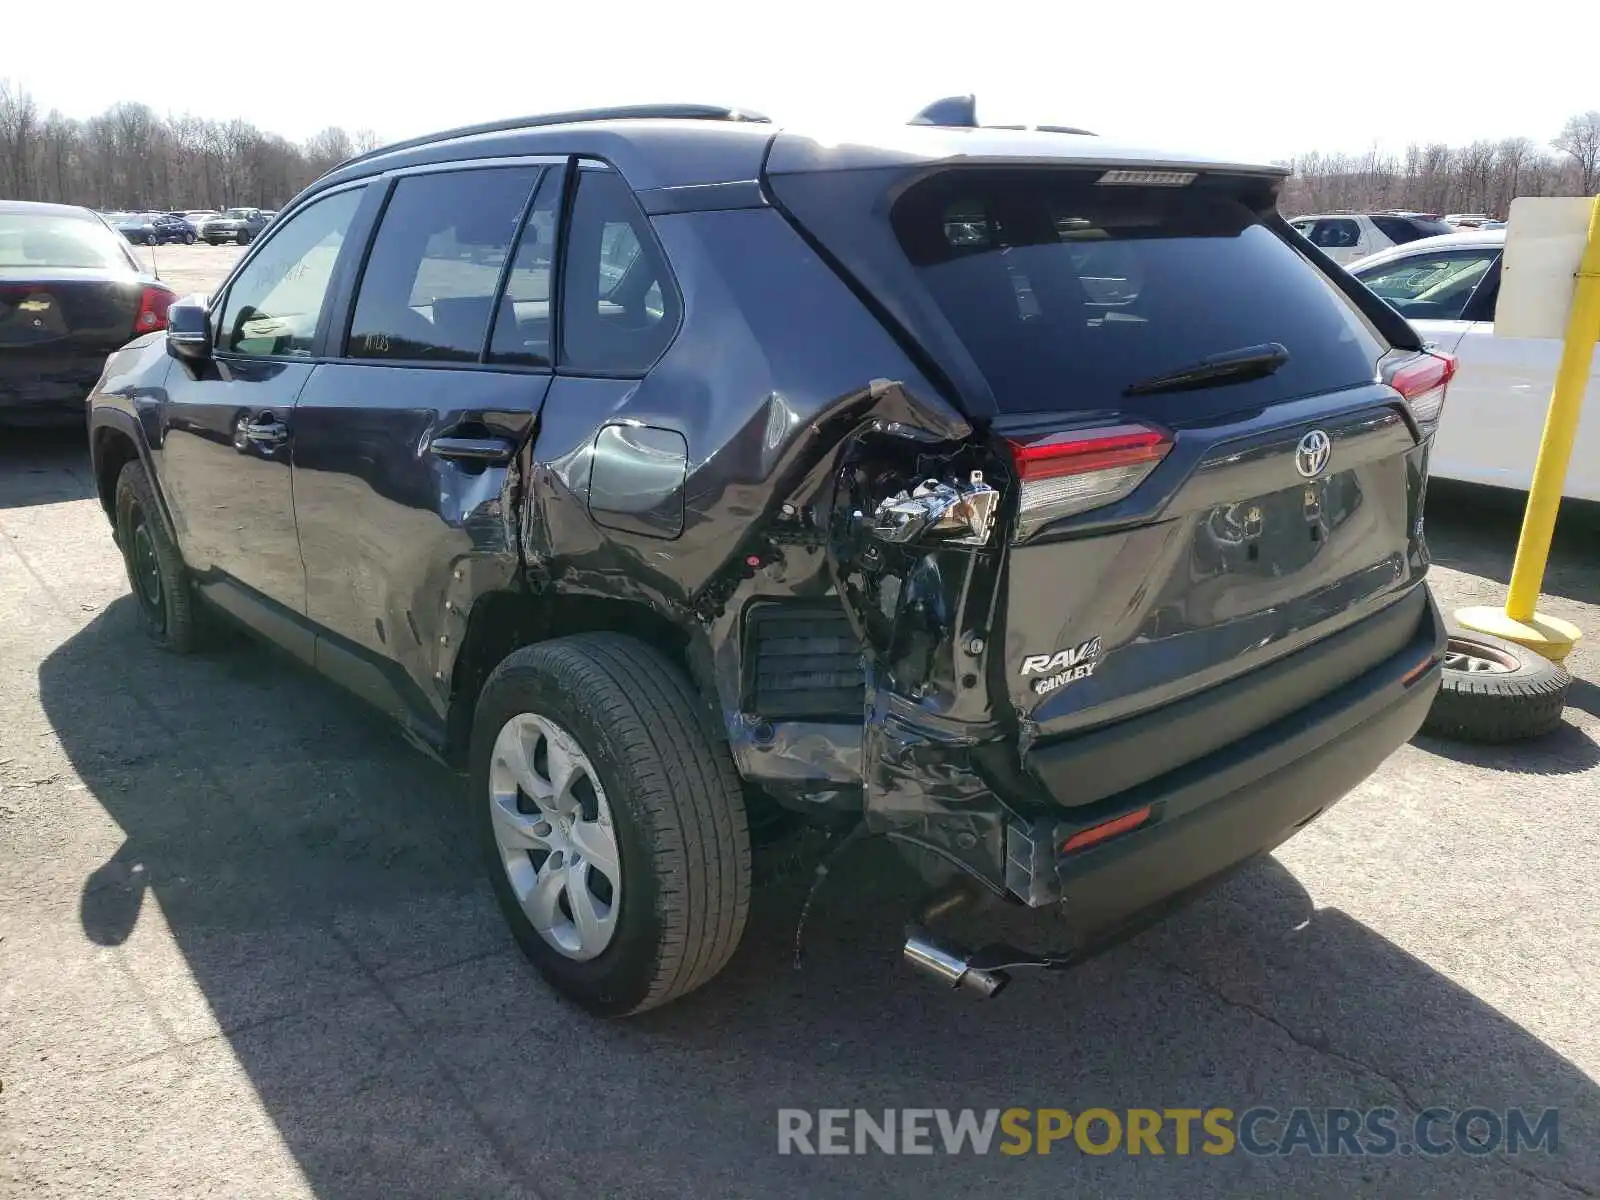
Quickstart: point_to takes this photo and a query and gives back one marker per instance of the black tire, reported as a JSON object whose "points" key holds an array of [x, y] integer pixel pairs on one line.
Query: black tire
{"points": [[244, 239], [162, 591], [188, 239], [676, 809], [1495, 690]]}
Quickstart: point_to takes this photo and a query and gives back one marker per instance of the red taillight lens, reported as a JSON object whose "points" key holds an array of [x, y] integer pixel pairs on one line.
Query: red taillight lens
{"points": [[1106, 829], [153, 305], [1423, 379], [1071, 472]]}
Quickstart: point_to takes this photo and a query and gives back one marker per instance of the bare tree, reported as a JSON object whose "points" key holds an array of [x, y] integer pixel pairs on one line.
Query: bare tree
{"points": [[130, 157], [1580, 137], [18, 119]]}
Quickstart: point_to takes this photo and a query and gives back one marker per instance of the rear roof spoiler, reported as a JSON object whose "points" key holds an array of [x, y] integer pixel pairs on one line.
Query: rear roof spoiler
{"points": [[961, 112]]}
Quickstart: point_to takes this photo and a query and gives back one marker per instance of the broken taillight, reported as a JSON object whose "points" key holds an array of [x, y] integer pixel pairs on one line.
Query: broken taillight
{"points": [[153, 305], [1423, 379], [1071, 472]]}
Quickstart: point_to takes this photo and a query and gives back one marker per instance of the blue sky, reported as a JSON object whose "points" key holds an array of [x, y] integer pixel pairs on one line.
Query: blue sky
{"points": [[1257, 80]]}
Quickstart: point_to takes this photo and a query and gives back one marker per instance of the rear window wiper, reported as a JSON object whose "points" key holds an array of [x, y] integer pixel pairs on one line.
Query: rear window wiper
{"points": [[1231, 366]]}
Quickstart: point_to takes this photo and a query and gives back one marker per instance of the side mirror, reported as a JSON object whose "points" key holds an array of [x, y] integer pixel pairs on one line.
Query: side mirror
{"points": [[189, 329]]}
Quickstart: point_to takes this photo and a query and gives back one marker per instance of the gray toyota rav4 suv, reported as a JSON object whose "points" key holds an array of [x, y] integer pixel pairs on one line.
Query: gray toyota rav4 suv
{"points": [[1041, 505]]}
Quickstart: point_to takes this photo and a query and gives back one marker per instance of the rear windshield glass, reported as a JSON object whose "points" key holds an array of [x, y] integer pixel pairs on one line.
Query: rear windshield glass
{"points": [[36, 240], [1066, 291]]}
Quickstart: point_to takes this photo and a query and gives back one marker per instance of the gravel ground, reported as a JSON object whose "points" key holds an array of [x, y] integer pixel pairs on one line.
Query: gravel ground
{"points": [[196, 268], [244, 951]]}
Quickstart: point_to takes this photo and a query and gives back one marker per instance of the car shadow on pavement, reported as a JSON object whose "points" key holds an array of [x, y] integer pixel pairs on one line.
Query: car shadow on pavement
{"points": [[316, 878], [45, 465], [1475, 529], [1567, 750]]}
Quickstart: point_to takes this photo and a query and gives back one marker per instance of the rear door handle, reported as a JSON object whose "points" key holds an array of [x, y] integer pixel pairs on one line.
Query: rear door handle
{"points": [[489, 451]]}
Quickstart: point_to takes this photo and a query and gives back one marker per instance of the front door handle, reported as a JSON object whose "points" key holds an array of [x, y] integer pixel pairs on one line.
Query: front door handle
{"points": [[267, 432], [487, 451]]}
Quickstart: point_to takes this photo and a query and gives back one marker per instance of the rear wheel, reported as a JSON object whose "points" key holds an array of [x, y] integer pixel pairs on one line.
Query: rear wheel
{"points": [[168, 608], [612, 827], [1495, 690], [188, 239], [244, 237]]}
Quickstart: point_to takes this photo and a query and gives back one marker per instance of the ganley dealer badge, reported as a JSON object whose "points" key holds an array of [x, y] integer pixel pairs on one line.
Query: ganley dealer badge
{"points": [[1062, 668]]}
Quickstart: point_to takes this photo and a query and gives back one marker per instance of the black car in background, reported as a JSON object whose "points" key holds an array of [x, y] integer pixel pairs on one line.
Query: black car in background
{"points": [[137, 227], [175, 227], [70, 293], [153, 228], [234, 225], [149, 229]]}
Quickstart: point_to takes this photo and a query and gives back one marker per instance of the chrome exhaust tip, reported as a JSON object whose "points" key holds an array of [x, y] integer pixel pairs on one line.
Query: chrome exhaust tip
{"points": [[950, 967]]}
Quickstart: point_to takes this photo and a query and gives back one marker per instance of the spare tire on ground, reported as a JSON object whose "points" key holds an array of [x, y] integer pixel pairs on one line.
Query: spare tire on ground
{"points": [[1495, 690]]}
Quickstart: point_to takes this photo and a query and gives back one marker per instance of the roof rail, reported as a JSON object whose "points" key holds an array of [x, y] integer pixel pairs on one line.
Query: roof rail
{"points": [[628, 112], [961, 112]]}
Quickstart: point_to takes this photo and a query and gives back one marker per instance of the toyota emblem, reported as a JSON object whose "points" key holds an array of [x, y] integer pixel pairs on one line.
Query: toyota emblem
{"points": [[1312, 454]]}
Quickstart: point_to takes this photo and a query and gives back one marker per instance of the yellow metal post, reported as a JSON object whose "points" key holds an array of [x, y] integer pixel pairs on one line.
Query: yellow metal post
{"points": [[1519, 620]]}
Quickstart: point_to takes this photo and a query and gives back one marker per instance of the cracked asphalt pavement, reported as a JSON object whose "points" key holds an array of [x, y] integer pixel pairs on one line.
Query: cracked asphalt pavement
{"points": [[245, 952]]}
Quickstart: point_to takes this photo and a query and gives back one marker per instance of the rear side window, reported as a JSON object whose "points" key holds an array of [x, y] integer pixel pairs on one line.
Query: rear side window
{"points": [[431, 281], [1067, 292], [619, 305], [1401, 230], [1335, 233]]}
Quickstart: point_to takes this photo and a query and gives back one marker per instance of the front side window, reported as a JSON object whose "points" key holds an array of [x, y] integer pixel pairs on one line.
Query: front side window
{"points": [[274, 305], [619, 306], [432, 280], [1431, 286]]}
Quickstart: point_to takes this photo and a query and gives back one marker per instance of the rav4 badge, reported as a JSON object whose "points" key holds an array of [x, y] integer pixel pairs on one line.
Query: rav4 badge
{"points": [[1063, 667]]}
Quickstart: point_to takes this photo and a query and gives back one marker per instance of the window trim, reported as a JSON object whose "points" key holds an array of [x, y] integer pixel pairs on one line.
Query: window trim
{"points": [[338, 347], [568, 200], [563, 182], [319, 340]]}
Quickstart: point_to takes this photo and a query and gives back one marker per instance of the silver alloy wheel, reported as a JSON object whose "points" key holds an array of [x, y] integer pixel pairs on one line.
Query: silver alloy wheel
{"points": [[553, 829], [1475, 658]]}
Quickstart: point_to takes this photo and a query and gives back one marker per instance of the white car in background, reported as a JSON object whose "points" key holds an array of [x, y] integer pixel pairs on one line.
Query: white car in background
{"points": [[1345, 237], [1494, 413]]}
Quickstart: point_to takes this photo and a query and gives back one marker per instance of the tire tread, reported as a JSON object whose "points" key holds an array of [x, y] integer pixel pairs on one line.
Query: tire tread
{"points": [[685, 782]]}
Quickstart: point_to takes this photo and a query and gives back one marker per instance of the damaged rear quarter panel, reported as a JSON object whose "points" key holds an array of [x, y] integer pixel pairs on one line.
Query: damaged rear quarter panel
{"points": [[778, 372]]}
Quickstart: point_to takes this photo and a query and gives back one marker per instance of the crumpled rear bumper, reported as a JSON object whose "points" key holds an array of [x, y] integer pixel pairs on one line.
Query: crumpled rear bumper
{"points": [[1185, 827], [1235, 803]]}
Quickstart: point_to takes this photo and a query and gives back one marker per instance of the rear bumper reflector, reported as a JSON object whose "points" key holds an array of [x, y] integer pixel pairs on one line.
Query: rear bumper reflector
{"points": [[1106, 829]]}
